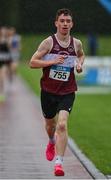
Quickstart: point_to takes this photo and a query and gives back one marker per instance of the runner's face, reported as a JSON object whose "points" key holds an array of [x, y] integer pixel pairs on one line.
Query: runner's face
{"points": [[64, 24]]}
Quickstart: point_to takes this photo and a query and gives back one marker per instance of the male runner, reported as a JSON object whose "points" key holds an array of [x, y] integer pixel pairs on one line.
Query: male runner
{"points": [[5, 60], [14, 41], [58, 55]]}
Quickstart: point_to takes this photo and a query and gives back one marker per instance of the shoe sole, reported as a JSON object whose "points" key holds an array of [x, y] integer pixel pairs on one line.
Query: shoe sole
{"points": [[59, 173], [49, 159]]}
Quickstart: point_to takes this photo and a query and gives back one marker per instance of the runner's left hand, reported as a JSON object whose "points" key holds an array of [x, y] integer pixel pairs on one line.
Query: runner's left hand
{"points": [[79, 68]]}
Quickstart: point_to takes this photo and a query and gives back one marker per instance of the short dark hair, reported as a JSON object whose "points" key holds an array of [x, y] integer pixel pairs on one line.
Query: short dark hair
{"points": [[64, 11]]}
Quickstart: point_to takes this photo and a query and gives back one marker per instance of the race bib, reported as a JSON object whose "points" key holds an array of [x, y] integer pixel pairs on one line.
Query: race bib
{"points": [[60, 73]]}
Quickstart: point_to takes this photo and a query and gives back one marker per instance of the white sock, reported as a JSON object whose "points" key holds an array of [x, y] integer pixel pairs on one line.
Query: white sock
{"points": [[59, 160]]}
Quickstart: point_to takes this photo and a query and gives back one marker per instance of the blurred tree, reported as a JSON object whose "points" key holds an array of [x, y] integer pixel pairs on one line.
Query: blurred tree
{"points": [[38, 16], [9, 12]]}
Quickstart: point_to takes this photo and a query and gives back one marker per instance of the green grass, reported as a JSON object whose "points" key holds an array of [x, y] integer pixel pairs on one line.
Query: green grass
{"points": [[90, 120], [104, 46], [90, 126], [32, 76], [29, 45]]}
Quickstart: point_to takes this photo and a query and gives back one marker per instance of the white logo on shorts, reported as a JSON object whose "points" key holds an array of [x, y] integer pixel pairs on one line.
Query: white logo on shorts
{"points": [[70, 109]]}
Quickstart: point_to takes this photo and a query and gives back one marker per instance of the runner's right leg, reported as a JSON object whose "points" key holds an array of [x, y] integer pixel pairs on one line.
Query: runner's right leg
{"points": [[50, 128]]}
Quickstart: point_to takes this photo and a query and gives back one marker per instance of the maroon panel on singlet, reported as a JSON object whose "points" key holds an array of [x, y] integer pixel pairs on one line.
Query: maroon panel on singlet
{"points": [[56, 86]]}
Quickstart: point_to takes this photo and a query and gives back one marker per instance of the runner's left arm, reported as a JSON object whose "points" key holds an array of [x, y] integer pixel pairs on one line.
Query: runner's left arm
{"points": [[80, 56]]}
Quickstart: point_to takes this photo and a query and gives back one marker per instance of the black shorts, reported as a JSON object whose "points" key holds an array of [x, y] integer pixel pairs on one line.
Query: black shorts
{"points": [[7, 63], [52, 104]]}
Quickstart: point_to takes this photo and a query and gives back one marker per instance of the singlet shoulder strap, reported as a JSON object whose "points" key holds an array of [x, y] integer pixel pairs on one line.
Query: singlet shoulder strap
{"points": [[71, 40], [54, 39]]}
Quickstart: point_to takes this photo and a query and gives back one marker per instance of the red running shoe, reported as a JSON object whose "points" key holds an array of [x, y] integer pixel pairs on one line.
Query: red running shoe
{"points": [[58, 170], [50, 151]]}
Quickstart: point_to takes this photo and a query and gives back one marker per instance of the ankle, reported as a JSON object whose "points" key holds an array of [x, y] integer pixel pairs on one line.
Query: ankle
{"points": [[59, 160], [52, 140]]}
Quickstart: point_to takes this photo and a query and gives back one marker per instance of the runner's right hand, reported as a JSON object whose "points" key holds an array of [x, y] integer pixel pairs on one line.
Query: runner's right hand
{"points": [[59, 59]]}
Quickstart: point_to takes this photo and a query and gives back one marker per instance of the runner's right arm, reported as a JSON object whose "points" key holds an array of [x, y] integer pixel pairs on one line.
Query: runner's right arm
{"points": [[44, 48]]}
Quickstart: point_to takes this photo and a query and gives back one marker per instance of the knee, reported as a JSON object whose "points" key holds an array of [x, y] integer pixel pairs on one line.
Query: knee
{"points": [[61, 126]]}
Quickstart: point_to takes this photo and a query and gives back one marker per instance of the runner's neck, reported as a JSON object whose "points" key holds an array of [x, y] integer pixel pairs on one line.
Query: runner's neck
{"points": [[64, 41]]}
